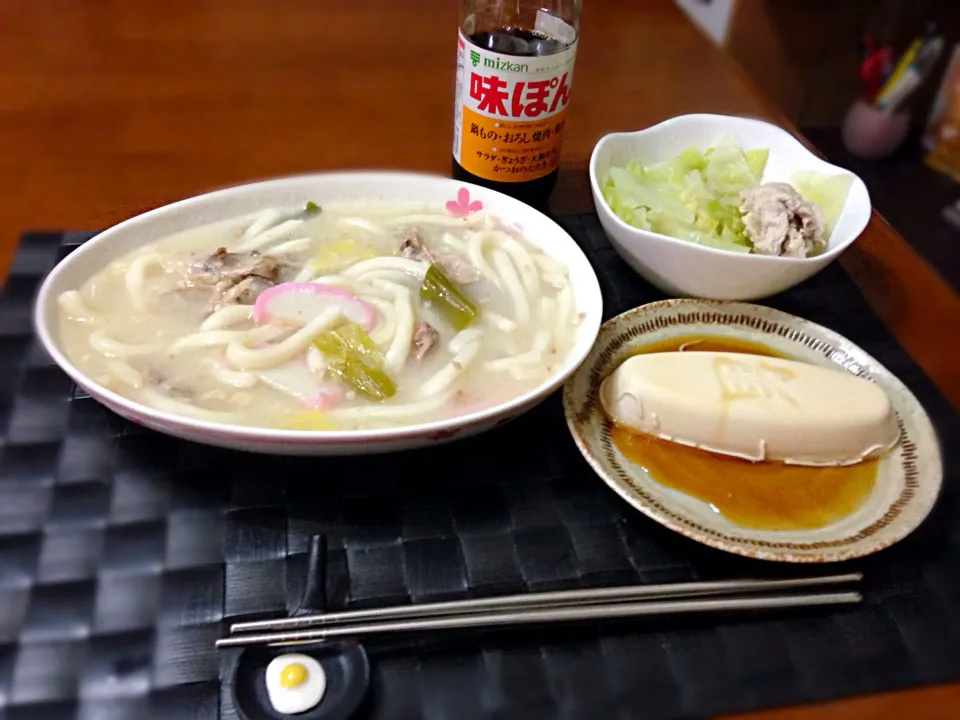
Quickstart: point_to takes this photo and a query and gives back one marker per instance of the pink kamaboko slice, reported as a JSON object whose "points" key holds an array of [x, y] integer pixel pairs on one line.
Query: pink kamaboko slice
{"points": [[300, 302], [329, 394]]}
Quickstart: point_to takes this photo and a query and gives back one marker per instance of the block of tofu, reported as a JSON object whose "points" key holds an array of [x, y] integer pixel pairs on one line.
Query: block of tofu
{"points": [[753, 407]]}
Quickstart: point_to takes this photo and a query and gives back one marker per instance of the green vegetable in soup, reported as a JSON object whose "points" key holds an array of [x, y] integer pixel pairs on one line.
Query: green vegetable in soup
{"points": [[349, 339], [337, 255], [361, 344], [309, 420], [448, 298], [356, 359], [311, 207], [372, 382]]}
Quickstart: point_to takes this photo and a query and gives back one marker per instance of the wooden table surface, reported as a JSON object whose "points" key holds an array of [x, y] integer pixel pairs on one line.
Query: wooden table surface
{"points": [[109, 108]]}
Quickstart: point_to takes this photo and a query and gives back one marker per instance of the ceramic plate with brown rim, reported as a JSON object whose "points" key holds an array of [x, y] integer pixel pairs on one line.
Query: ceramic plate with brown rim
{"points": [[766, 511]]}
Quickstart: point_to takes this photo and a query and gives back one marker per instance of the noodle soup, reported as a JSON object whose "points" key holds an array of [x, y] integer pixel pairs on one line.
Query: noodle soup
{"points": [[349, 316]]}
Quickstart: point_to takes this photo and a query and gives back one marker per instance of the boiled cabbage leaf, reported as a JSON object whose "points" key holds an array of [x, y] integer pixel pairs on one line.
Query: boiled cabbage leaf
{"points": [[693, 196], [829, 192]]}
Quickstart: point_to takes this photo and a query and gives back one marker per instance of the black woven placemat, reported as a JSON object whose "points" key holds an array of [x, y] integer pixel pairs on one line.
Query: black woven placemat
{"points": [[124, 554]]}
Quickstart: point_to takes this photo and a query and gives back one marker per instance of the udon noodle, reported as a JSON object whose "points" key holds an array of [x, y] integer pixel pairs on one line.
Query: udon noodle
{"points": [[346, 317]]}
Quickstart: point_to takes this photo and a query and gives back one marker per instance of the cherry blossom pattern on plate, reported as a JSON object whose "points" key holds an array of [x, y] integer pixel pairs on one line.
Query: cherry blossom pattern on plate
{"points": [[461, 207]]}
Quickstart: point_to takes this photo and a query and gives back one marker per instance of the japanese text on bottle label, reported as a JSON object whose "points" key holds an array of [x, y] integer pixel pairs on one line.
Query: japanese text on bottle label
{"points": [[510, 113]]}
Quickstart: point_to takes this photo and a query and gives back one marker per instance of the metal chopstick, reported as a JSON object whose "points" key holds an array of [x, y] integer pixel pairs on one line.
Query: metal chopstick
{"points": [[545, 615], [559, 598]]}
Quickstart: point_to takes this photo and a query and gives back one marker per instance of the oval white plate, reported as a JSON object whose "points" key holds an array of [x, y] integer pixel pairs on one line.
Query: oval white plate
{"points": [[908, 480], [344, 187]]}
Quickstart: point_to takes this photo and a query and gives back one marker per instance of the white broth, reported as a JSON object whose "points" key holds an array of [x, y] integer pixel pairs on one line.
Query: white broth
{"points": [[349, 316]]}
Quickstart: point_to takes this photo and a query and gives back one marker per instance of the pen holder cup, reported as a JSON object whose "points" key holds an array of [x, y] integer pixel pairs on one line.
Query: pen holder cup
{"points": [[873, 134]]}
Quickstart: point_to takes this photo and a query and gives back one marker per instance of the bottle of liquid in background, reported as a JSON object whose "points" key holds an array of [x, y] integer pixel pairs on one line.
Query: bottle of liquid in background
{"points": [[514, 76]]}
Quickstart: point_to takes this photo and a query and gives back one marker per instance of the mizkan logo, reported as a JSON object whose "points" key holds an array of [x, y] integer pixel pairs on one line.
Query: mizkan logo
{"points": [[499, 63]]}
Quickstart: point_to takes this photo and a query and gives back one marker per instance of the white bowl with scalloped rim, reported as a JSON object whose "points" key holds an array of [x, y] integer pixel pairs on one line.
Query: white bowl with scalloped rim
{"points": [[236, 202], [682, 268]]}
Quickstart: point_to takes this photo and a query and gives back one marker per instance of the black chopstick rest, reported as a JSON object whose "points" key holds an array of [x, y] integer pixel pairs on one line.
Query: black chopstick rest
{"points": [[313, 600], [345, 663]]}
